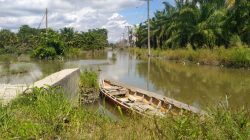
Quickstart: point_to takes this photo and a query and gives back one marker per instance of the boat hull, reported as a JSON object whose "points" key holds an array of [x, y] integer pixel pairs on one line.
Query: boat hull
{"points": [[166, 104]]}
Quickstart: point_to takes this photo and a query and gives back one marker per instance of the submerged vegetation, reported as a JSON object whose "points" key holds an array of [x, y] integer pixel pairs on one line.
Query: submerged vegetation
{"points": [[47, 114], [50, 44], [232, 57]]}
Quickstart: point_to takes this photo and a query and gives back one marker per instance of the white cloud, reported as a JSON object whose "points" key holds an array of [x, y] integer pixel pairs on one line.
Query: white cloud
{"points": [[80, 14]]}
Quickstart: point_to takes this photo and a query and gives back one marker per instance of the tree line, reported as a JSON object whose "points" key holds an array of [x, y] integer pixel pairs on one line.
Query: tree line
{"points": [[42, 43], [199, 24]]}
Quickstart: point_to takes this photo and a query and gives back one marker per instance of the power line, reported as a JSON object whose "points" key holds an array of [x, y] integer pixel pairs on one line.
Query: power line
{"points": [[41, 21], [46, 20]]}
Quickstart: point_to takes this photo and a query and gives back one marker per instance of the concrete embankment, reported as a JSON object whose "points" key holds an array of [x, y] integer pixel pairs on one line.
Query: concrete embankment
{"points": [[9, 92], [68, 79]]}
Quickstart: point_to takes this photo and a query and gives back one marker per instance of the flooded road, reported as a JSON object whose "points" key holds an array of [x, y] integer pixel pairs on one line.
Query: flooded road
{"points": [[200, 86]]}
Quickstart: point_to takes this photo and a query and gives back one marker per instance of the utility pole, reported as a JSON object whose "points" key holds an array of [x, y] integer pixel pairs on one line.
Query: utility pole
{"points": [[149, 29], [129, 41], [123, 39], [46, 22]]}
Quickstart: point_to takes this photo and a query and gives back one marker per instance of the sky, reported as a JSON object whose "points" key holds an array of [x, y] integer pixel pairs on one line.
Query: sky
{"points": [[114, 15]]}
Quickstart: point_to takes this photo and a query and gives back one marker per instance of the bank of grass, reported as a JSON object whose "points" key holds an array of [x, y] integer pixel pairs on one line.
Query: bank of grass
{"points": [[47, 114], [232, 57], [73, 53]]}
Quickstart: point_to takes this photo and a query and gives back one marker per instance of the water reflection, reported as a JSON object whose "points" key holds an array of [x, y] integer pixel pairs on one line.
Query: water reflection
{"points": [[192, 84], [19, 73], [198, 85]]}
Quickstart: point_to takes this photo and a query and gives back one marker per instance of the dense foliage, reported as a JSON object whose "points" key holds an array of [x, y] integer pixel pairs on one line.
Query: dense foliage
{"points": [[200, 23], [49, 44]]}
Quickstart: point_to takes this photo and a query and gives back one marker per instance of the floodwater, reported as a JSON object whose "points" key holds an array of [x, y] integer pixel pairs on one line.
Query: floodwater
{"points": [[200, 86]]}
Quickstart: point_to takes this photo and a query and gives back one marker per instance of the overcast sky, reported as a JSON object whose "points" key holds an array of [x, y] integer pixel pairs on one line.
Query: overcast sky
{"points": [[113, 15]]}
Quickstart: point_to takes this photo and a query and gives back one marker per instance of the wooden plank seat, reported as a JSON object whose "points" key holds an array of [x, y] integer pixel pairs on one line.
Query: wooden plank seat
{"points": [[135, 98], [124, 100], [140, 106], [147, 107], [113, 88]]}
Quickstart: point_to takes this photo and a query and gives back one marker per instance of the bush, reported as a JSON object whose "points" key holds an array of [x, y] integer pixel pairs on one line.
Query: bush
{"points": [[50, 46], [57, 46], [44, 53]]}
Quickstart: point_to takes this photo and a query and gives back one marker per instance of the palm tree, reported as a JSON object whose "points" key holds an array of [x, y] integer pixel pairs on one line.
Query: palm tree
{"points": [[201, 23]]}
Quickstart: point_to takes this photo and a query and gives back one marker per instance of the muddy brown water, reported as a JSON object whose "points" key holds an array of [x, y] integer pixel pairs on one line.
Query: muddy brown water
{"points": [[200, 86]]}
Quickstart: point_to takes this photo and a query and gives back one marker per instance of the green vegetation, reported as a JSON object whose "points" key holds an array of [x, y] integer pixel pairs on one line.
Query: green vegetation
{"points": [[47, 114], [231, 57], [89, 79], [50, 44], [202, 29], [201, 23], [89, 88]]}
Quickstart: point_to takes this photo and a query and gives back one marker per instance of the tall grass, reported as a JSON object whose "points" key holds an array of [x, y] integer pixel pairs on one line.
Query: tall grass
{"points": [[47, 114], [89, 79], [232, 57]]}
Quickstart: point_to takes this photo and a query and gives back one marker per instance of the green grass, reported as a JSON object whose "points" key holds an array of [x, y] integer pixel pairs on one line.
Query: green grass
{"points": [[88, 87], [232, 57], [47, 114], [89, 79]]}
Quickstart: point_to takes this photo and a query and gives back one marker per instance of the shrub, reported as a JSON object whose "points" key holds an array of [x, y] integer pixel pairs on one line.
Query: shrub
{"points": [[44, 53], [57, 45]]}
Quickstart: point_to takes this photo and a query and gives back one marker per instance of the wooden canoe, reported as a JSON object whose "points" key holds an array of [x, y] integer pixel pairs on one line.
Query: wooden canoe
{"points": [[131, 99]]}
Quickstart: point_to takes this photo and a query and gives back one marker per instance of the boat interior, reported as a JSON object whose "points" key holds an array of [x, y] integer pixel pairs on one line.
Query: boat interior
{"points": [[140, 102]]}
